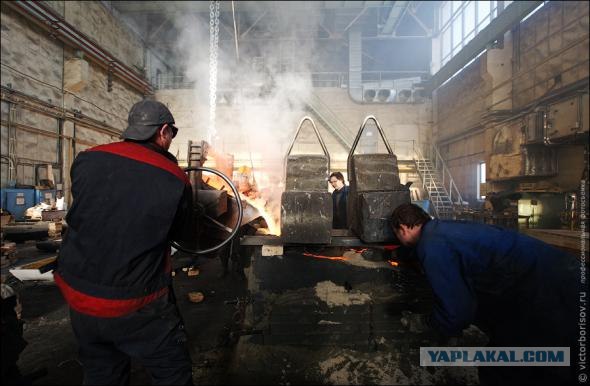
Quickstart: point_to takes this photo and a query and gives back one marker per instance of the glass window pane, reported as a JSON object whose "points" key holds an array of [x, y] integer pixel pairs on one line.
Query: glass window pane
{"points": [[483, 10], [445, 13], [456, 5], [457, 31], [482, 172], [446, 42], [484, 23], [469, 15], [461, 21]]}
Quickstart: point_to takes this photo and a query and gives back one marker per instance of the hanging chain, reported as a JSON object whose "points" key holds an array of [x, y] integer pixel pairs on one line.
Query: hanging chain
{"points": [[213, 50]]}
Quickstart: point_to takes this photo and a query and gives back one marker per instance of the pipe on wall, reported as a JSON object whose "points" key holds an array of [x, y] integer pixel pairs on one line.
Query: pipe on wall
{"points": [[37, 105], [53, 22]]}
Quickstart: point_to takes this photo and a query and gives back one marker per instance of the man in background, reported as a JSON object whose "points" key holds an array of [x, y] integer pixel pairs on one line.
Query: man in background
{"points": [[339, 197]]}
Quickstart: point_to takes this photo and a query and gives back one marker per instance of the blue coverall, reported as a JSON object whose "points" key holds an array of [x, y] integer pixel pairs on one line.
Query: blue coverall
{"points": [[517, 289]]}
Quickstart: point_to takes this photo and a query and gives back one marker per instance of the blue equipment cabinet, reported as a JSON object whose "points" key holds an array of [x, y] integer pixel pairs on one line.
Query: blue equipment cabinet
{"points": [[44, 195], [18, 200]]}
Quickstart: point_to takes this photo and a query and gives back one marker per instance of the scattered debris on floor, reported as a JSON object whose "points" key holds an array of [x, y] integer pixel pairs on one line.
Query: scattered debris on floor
{"points": [[335, 295]]}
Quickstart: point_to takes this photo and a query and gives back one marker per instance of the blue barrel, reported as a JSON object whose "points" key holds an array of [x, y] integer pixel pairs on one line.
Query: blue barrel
{"points": [[17, 201]]}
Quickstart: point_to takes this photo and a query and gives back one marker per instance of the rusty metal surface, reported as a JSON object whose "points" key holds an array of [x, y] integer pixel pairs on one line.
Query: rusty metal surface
{"points": [[213, 201], [335, 241], [374, 172], [306, 217], [250, 213], [375, 191], [374, 211], [307, 173]]}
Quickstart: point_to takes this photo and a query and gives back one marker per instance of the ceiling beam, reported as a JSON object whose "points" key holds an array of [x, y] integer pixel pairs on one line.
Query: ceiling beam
{"points": [[243, 35], [155, 33], [395, 15], [355, 19], [424, 27]]}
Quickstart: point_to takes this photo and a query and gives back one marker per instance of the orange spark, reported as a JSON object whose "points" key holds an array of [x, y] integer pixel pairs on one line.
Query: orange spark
{"points": [[339, 258]]}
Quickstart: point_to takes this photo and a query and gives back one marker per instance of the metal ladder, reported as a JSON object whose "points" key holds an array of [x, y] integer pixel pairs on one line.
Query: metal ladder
{"points": [[438, 182]]}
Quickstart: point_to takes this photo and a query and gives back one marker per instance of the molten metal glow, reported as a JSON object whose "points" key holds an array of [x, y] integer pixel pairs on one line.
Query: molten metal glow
{"points": [[260, 204], [339, 258], [393, 263], [257, 202]]}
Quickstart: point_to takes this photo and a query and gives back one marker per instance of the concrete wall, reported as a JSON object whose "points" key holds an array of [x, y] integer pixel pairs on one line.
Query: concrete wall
{"points": [[98, 22], [402, 124], [542, 57], [44, 118], [552, 43]]}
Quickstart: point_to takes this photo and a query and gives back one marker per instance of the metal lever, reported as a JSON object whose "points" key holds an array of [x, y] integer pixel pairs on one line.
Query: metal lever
{"points": [[317, 133], [358, 137]]}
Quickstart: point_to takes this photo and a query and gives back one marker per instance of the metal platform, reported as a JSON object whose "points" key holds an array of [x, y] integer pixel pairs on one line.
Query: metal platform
{"points": [[340, 238]]}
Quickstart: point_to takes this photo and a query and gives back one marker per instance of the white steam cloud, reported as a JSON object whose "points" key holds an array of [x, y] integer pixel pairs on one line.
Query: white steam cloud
{"points": [[261, 98]]}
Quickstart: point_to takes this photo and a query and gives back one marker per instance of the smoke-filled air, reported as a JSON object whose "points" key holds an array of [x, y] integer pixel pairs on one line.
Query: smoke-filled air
{"points": [[259, 95]]}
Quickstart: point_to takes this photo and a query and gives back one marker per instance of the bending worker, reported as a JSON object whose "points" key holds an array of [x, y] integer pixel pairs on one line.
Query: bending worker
{"points": [[520, 291], [114, 270]]}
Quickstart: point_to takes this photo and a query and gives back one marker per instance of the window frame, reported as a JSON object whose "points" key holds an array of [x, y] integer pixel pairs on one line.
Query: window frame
{"points": [[453, 20], [481, 174]]}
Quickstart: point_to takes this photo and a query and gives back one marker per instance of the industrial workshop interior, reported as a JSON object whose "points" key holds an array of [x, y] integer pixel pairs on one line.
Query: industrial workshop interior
{"points": [[334, 192]]}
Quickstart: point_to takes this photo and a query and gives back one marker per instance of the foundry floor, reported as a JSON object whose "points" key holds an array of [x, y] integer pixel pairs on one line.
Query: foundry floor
{"points": [[52, 345]]}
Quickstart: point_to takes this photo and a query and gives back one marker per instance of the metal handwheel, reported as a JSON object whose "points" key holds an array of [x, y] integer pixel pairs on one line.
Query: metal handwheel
{"points": [[232, 231]]}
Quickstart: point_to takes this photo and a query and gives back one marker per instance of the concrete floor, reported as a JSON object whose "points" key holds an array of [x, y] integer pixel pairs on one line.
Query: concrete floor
{"points": [[216, 359], [52, 345]]}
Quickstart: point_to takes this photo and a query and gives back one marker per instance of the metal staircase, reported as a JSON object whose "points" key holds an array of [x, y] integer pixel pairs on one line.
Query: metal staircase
{"points": [[438, 182]]}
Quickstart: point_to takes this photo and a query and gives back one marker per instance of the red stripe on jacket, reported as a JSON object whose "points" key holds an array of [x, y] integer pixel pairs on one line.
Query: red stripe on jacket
{"points": [[100, 307], [139, 153]]}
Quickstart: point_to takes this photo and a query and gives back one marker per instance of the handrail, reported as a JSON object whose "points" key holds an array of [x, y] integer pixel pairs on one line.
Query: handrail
{"points": [[440, 166], [420, 157], [447, 173], [334, 79]]}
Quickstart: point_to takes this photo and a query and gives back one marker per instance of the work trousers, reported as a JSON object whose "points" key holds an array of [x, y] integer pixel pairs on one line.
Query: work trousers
{"points": [[154, 335]]}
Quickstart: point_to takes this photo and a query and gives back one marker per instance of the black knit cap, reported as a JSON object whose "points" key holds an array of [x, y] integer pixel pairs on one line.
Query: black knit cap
{"points": [[145, 118]]}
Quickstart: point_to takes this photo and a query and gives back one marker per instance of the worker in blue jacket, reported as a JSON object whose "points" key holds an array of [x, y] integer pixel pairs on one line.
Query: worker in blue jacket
{"points": [[520, 291]]}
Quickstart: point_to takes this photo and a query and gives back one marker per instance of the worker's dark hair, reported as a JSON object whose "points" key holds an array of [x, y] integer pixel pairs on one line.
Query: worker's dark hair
{"points": [[409, 215], [338, 175]]}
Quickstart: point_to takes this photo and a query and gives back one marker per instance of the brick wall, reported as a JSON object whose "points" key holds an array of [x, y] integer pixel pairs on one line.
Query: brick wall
{"points": [[547, 53], [32, 77]]}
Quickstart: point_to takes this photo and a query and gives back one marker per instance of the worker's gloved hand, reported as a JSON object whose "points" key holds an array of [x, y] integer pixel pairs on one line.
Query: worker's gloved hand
{"points": [[415, 322]]}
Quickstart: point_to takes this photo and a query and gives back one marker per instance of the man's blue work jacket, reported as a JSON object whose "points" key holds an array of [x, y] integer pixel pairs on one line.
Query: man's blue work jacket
{"points": [[515, 285]]}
